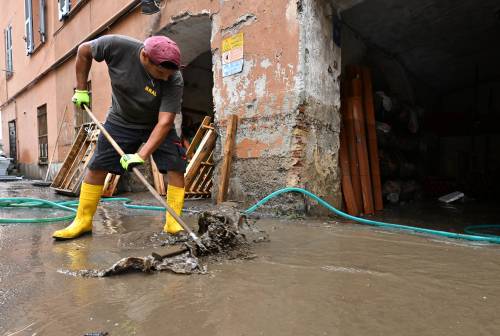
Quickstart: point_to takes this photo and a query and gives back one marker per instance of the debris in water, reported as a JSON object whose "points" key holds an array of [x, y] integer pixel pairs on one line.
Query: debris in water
{"points": [[180, 262], [452, 197], [224, 231]]}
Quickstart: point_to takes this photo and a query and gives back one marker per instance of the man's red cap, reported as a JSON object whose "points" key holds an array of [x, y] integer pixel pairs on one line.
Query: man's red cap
{"points": [[161, 49]]}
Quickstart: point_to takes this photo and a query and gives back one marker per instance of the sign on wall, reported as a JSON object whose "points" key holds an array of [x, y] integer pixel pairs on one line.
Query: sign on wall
{"points": [[232, 55]]}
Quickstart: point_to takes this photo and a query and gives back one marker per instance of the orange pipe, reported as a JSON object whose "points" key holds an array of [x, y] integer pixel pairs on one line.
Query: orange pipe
{"points": [[361, 147], [352, 156], [347, 189], [371, 128]]}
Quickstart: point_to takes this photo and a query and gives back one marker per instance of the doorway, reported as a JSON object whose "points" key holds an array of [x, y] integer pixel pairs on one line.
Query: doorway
{"points": [[13, 140]]}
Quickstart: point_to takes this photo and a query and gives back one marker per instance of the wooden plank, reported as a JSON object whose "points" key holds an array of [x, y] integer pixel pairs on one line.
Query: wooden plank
{"points": [[353, 157], [202, 194], [204, 183], [80, 136], [371, 128], [204, 173], [158, 181], [82, 168], [76, 167], [81, 162], [203, 151], [73, 157], [209, 185], [110, 184], [73, 166], [198, 137], [361, 147], [197, 179], [228, 156], [347, 190]]}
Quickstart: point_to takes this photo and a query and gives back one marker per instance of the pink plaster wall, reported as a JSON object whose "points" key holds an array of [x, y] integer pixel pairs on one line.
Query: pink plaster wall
{"points": [[265, 89]]}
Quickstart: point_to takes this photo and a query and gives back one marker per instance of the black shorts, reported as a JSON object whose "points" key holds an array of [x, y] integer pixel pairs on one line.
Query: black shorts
{"points": [[169, 156]]}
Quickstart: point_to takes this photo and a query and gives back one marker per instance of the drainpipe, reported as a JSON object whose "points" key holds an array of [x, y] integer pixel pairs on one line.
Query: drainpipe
{"points": [[131, 6]]}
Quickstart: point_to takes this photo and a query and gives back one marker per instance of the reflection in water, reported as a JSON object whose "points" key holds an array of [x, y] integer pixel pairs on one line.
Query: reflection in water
{"points": [[110, 223]]}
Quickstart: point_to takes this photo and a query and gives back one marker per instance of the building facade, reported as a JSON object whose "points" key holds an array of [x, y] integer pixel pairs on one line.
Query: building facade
{"points": [[286, 94]]}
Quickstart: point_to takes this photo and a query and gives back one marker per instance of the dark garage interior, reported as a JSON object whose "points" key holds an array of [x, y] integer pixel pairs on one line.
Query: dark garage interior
{"points": [[436, 89]]}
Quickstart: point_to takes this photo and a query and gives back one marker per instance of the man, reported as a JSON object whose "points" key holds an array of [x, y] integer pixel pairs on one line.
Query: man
{"points": [[147, 91]]}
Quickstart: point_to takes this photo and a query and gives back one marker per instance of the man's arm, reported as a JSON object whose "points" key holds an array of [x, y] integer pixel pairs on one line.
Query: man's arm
{"points": [[83, 64], [165, 123]]}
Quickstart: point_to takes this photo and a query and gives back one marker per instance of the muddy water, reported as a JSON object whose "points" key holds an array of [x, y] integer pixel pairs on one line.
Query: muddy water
{"points": [[315, 277]]}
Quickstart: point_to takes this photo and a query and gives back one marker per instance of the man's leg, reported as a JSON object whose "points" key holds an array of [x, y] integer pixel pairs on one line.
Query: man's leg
{"points": [[170, 157], [175, 199], [105, 160], [90, 194]]}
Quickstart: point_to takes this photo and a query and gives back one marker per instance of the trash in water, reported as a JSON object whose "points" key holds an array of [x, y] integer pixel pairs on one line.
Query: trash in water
{"points": [[224, 231], [452, 197]]}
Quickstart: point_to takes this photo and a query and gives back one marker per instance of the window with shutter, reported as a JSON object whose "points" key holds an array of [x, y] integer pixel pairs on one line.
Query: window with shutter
{"points": [[42, 26], [35, 24], [43, 144], [9, 69], [28, 26], [64, 8]]}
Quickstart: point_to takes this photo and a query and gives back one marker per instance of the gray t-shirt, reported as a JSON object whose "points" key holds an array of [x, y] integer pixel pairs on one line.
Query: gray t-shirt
{"points": [[137, 98]]}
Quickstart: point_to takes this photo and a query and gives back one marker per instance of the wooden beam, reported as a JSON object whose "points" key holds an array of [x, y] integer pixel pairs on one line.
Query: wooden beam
{"points": [[352, 154], [110, 184], [361, 148], [197, 137], [75, 147], [371, 129], [228, 156], [158, 181], [347, 190]]}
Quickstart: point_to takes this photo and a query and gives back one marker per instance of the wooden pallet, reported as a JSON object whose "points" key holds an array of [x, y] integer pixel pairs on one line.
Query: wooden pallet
{"points": [[69, 178], [199, 172], [198, 176]]}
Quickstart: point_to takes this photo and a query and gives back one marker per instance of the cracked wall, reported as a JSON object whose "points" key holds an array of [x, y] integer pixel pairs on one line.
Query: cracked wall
{"points": [[263, 96], [286, 98], [315, 135]]}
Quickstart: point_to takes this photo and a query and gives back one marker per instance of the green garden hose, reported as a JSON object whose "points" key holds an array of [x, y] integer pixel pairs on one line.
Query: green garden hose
{"points": [[472, 232], [24, 202], [474, 236]]}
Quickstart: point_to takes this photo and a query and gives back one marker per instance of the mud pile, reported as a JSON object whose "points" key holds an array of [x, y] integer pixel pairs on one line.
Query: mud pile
{"points": [[224, 231]]}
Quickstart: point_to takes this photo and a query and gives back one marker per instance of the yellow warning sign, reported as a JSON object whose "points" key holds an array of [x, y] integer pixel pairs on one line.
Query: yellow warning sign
{"points": [[235, 41]]}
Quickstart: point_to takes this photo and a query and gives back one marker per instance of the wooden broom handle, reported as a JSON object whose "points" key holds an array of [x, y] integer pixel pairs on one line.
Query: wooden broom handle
{"points": [[144, 181]]}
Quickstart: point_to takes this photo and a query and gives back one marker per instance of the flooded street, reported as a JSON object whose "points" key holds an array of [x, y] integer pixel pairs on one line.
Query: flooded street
{"points": [[315, 277]]}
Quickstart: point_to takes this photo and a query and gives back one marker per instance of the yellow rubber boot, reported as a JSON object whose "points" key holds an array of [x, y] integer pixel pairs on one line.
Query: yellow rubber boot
{"points": [[175, 200], [89, 198]]}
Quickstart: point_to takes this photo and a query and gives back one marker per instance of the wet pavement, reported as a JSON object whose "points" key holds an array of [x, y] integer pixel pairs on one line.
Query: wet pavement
{"points": [[314, 277]]}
